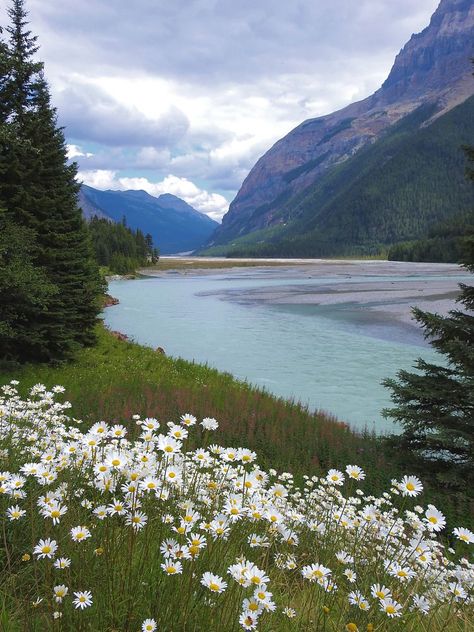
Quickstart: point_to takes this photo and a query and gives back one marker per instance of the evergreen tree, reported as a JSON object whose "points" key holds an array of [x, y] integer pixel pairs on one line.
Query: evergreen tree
{"points": [[39, 192], [24, 292], [436, 405]]}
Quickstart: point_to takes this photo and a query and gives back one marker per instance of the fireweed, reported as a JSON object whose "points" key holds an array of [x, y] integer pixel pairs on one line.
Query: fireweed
{"points": [[119, 527]]}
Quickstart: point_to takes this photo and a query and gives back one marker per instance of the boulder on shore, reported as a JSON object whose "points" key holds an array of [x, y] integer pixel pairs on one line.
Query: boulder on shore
{"points": [[110, 300], [119, 335]]}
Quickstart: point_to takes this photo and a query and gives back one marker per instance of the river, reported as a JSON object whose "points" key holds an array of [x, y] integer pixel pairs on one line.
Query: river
{"points": [[324, 335]]}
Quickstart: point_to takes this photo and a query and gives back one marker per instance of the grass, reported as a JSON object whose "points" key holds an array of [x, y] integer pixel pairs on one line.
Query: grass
{"points": [[117, 379], [195, 263]]}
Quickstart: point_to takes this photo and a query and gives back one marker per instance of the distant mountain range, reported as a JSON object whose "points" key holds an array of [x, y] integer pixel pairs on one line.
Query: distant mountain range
{"points": [[174, 225], [380, 171]]}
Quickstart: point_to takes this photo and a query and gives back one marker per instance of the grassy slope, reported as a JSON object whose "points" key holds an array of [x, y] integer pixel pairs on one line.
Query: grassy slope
{"points": [[117, 379]]}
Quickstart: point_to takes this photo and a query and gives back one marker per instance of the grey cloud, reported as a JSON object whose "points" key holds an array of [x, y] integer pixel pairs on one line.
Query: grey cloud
{"points": [[222, 41], [91, 115]]}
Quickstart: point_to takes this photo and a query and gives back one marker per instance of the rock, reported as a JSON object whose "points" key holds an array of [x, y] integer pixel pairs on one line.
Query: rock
{"points": [[119, 335], [110, 300]]}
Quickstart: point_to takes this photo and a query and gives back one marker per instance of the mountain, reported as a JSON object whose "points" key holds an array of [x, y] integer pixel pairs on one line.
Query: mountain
{"points": [[89, 209], [174, 225], [348, 171]]}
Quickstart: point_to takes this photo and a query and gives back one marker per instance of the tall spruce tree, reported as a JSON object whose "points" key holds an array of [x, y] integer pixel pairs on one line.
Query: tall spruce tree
{"points": [[25, 291], [38, 191], [435, 406]]}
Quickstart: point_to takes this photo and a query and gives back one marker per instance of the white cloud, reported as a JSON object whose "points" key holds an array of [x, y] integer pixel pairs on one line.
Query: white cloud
{"points": [[74, 151], [212, 204]]}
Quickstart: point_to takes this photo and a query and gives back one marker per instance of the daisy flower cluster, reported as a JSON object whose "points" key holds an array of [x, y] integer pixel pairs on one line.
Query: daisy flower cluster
{"points": [[124, 524]]}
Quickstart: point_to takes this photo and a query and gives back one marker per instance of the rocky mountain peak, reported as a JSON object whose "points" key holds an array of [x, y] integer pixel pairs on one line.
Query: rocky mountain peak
{"points": [[437, 56]]}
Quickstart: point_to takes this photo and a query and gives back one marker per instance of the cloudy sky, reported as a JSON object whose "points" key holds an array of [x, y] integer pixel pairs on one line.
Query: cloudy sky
{"points": [[183, 96]]}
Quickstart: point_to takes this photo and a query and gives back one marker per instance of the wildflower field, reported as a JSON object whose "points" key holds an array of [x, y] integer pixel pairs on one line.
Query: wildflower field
{"points": [[116, 379], [151, 525]]}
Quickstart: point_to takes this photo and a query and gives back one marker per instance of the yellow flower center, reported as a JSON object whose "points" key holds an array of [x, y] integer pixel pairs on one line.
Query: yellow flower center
{"points": [[253, 606], [46, 549], [433, 519], [168, 448], [115, 462], [380, 594], [410, 487], [170, 570], [55, 513], [151, 485], [390, 610], [214, 587], [234, 511]]}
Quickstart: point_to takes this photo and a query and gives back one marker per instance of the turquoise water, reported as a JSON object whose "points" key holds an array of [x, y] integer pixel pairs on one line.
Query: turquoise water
{"points": [[331, 358]]}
